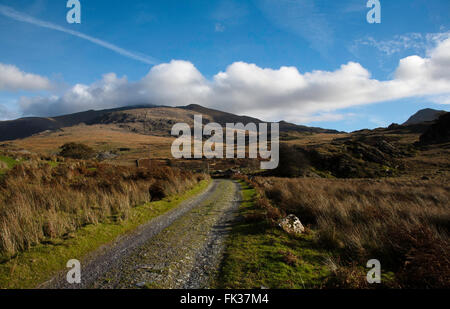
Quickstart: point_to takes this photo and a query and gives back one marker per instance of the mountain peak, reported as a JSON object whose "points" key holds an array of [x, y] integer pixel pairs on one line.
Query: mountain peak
{"points": [[424, 115]]}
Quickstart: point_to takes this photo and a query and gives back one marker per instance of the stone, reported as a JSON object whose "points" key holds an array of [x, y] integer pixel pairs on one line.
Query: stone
{"points": [[292, 225], [140, 284], [106, 156]]}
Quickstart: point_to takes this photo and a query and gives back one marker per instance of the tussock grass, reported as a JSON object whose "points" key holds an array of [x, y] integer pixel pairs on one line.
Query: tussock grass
{"points": [[41, 201], [404, 223]]}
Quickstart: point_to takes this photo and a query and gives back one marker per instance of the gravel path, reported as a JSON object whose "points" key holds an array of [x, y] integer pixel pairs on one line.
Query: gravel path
{"points": [[180, 249]]}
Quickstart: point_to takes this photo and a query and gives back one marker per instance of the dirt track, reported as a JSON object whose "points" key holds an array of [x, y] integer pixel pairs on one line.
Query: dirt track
{"points": [[180, 249]]}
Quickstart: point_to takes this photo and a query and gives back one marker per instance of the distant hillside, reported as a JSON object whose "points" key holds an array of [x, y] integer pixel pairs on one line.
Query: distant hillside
{"points": [[25, 127], [223, 118], [143, 119], [424, 115]]}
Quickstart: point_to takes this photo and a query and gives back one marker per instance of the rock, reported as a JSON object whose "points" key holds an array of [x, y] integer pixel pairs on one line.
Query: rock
{"points": [[292, 225], [106, 156], [26, 152], [140, 284]]}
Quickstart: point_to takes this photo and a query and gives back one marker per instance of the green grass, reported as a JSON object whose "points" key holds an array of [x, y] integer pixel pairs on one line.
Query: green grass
{"points": [[10, 162], [33, 267], [52, 163], [257, 255]]}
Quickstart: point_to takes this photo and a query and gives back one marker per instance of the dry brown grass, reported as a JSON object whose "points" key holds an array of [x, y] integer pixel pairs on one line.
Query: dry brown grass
{"points": [[38, 202], [99, 137], [402, 222], [314, 139]]}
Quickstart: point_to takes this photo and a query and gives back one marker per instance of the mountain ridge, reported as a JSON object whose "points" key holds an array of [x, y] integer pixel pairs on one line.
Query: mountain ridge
{"points": [[129, 117]]}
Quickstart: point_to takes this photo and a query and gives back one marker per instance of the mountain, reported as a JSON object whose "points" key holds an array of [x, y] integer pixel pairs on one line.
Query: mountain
{"points": [[24, 127], [424, 115], [143, 119], [222, 118]]}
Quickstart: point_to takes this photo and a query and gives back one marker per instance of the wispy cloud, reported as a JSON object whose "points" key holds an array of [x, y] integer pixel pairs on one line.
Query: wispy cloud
{"points": [[18, 16], [228, 14], [302, 18], [416, 42]]}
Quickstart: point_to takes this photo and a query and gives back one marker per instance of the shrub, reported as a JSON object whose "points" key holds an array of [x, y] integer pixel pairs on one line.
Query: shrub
{"points": [[157, 191], [77, 151], [347, 277]]}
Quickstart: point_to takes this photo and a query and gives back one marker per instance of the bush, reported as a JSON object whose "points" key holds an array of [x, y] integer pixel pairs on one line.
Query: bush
{"points": [[157, 191], [77, 151]]}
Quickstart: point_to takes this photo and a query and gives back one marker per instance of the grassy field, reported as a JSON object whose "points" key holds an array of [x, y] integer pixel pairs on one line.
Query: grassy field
{"points": [[101, 138], [40, 262], [401, 222]]}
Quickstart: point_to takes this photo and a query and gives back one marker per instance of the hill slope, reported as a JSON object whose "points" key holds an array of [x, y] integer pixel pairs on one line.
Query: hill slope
{"points": [[143, 119], [25, 127]]}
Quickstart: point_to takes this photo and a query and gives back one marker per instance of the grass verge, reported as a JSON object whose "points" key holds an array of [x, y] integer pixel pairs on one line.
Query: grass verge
{"points": [[33, 267], [261, 255]]}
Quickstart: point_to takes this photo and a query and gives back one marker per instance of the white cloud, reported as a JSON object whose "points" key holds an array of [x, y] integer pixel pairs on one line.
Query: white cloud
{"points": [[442, 99], [13, 79], [270, 94]]}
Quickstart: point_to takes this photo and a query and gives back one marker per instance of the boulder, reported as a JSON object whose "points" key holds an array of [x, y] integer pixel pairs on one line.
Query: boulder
{"points": [[102, 156], [292, 225]]}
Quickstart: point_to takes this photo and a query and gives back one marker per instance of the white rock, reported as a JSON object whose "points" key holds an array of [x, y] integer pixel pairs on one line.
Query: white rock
{"points": [[292, 225]]}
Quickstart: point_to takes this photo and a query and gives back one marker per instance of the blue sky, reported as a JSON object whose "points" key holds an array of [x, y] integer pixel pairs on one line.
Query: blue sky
{"points": [[210, 36]]}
